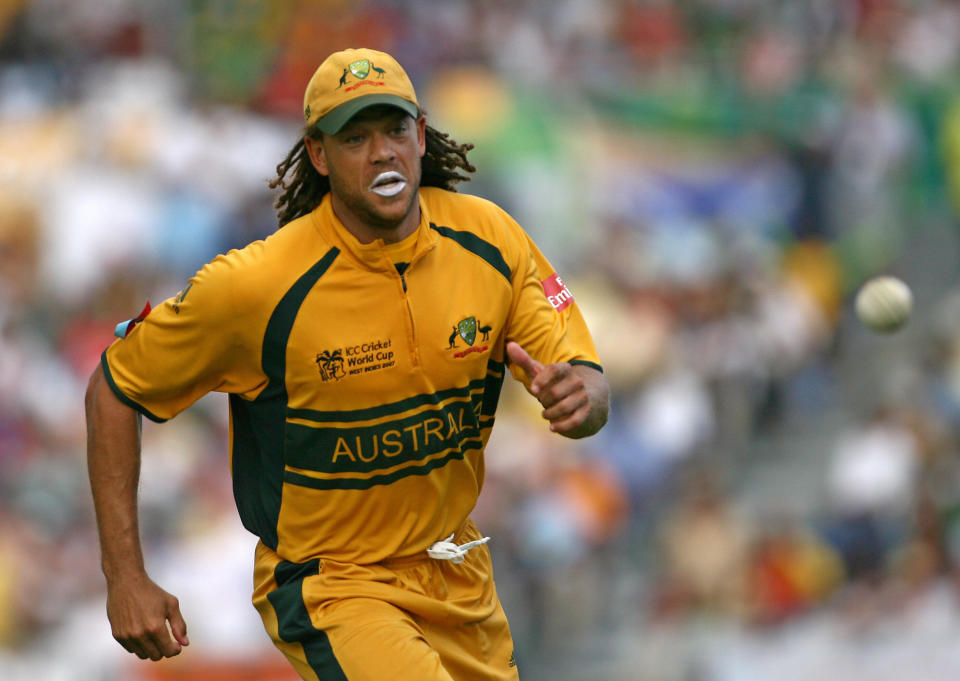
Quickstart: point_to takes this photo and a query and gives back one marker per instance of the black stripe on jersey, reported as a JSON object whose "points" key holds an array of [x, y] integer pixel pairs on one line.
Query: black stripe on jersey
{"points": [[478, 246], [492, 384], [583, 362], [119, 393], [390, 409], [293, 620], [257, 453], [366, 483]]}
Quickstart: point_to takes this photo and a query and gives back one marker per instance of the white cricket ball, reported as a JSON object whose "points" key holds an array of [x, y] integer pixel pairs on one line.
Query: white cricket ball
{"points": [[884, 304]]}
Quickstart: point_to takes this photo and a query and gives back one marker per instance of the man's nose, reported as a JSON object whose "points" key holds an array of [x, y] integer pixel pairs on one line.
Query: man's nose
{"points": [[381, 148]]}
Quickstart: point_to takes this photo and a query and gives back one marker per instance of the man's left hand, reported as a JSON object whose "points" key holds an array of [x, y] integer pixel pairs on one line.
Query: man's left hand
{"points": [[575, 398]]}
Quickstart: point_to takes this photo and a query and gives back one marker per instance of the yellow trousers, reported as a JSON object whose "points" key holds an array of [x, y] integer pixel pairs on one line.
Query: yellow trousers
{"points": [[415, 619]]}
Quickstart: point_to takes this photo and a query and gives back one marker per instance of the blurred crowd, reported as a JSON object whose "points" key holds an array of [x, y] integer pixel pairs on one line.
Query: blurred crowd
{"points": [[714, 179]]}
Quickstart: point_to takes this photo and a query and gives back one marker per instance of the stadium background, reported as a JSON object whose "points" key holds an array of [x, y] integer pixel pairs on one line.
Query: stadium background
{"points": [[777, 493]]}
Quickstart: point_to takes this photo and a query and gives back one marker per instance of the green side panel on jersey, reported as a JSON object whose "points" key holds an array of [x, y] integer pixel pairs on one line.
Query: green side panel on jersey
{"points": [[492, 385], [257, 458], [258, 425]]}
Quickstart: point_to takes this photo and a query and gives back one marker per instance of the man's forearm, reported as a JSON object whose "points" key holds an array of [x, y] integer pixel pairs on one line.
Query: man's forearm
{"points": [[139, 611], [113, 464]]}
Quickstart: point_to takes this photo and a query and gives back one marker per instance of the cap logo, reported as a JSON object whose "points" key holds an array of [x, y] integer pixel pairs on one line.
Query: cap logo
{"points": [[360, 68]]}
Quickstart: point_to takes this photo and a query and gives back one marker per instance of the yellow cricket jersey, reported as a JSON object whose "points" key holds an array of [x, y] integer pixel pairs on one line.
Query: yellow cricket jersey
{"points": [[361, 398]]}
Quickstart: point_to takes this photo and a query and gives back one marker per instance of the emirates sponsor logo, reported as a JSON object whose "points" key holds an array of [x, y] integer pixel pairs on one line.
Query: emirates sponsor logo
{"points": [[557, 292]]}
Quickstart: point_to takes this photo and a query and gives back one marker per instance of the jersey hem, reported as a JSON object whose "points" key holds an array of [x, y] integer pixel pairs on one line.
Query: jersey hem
{"points": [[121, 396]]}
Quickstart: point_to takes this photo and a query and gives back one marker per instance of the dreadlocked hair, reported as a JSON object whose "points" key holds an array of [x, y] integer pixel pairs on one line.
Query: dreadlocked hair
{"points": [[303, 191], [305, 187], [442, 159]]}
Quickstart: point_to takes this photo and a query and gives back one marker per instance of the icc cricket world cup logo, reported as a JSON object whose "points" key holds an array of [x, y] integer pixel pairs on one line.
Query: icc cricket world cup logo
{"points": [[330, 365]]}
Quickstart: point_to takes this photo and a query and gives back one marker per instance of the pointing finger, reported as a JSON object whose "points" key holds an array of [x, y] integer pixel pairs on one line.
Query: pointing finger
{"points": [[523, 360]]}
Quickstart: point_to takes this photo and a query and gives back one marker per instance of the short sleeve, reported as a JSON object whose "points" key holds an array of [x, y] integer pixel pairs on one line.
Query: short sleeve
{"points": [[546, 320], [192, 344]]}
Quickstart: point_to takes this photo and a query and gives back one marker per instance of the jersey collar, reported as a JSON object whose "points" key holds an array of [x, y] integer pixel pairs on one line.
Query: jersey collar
{"points": [[372, 255]]}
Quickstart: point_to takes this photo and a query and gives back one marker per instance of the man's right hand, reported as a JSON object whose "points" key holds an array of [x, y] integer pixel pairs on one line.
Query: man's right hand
{"points": [[139, 610]]}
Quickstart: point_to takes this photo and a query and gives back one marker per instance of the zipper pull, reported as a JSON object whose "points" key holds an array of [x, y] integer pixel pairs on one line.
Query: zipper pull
{"points": [[401, 268]]}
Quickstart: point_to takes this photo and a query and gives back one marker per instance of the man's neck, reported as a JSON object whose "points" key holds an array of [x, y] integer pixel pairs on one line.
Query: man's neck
{"points": [[368, 233]]}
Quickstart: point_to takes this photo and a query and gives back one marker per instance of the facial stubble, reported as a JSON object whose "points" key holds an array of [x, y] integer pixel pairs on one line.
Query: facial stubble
{"points": [[363, 208]]}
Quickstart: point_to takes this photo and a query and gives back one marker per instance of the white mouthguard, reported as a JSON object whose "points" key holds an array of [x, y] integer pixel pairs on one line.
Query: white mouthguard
{"points": [[388, 184]]}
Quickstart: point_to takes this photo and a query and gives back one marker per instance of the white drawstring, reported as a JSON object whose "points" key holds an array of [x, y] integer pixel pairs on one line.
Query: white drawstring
{"points": [[447, 550]]}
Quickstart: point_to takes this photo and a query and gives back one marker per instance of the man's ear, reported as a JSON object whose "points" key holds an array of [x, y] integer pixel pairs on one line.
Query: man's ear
{"points": [[422, 134], [317, 156]]}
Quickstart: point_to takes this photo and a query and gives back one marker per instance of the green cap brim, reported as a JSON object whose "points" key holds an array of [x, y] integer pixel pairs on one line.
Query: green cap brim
{"points": [[336, 119]]}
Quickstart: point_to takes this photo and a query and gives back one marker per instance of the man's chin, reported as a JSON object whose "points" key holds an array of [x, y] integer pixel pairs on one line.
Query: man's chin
{"points": [[391, 211]]}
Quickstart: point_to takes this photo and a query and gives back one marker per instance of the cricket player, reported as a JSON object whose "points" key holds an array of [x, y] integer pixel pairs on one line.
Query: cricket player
{"points": [[363, 347]]}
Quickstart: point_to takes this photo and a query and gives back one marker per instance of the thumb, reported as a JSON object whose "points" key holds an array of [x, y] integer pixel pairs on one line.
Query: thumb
{"points": [[523, 360], [177, 624]]}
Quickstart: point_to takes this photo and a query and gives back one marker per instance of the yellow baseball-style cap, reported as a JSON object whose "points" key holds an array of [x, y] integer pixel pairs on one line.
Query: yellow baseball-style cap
{"points": [[351, 80]]}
